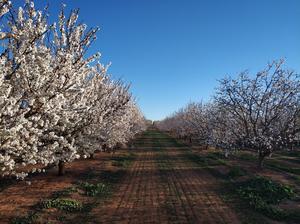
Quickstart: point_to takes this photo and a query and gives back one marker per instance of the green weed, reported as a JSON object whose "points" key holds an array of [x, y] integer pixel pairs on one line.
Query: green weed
{"points": [[262, 194], [99, 189], [236, 171], [28, 219], [68, 205], [123, 161], [64, 193]]}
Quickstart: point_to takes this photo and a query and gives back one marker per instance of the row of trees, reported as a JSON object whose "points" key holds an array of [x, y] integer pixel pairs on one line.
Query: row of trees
{"points": [[56, 103], [259, 113]]}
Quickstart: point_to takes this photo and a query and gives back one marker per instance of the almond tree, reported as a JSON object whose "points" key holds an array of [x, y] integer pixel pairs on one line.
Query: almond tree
{"points": [[259, 113], [197, 117], [176, 125], [51, 92], [221, 123], [131, 119], [190, 122], [23, 53], [263, 110]]}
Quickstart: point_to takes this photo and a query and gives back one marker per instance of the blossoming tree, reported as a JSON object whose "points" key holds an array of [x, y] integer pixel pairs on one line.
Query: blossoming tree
{"points": [[51, 93], [260, 113], [264, 109]]}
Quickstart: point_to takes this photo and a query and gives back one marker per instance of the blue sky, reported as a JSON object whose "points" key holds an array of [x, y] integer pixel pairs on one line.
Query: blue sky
{"points": [[173, 52]]}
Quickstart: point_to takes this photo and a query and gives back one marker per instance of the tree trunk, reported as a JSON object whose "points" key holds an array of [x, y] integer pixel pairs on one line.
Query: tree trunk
{"points": [[92, 156], [261, 157], [104, 147], [61, 168], [226, 153]]}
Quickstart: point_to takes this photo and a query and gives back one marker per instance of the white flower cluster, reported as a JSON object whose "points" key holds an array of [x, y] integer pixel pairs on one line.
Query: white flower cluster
{"points": [[56, 104], [4, 7]]}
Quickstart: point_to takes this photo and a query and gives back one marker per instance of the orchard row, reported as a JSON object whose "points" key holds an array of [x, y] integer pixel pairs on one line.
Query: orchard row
{"points": [[57, 104], [260, 113]]}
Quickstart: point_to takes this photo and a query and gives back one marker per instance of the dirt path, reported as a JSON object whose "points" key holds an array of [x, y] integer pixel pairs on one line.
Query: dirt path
{"points": [[163, 186]]}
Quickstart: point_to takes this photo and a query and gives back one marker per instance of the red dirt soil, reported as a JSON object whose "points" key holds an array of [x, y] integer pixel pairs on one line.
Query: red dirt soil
{"points": [[18, 198], [161, 186]]}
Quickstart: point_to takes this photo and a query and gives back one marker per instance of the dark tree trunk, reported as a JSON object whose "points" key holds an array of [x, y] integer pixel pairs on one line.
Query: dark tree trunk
{"points": [[61, 168], [104, 147], [226, 153], [260, 164], [92, 156], [261, 157]]}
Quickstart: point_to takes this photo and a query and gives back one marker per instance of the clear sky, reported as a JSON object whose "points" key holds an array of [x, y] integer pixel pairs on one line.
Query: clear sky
{"points": [[173, 52]]}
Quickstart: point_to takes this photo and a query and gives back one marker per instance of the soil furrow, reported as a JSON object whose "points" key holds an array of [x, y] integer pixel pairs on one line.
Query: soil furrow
{"points": [[163, 186]]}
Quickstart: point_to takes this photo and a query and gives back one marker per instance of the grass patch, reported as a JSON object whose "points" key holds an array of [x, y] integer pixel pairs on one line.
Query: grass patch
{"points": [[247, 157], [292, 153], [64, 193], [90, 175], [123, 161], [236, 171], [28, 219], [67, 205], [274, 163], [112, 177], [206, 160], [92, 190], [263, 194], [292, 159], [295, 178], [282, 167], [200, 160]]}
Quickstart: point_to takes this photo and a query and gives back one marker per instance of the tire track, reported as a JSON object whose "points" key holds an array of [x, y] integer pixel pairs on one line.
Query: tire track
{"points": [[201, 197], [162, 186]]}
